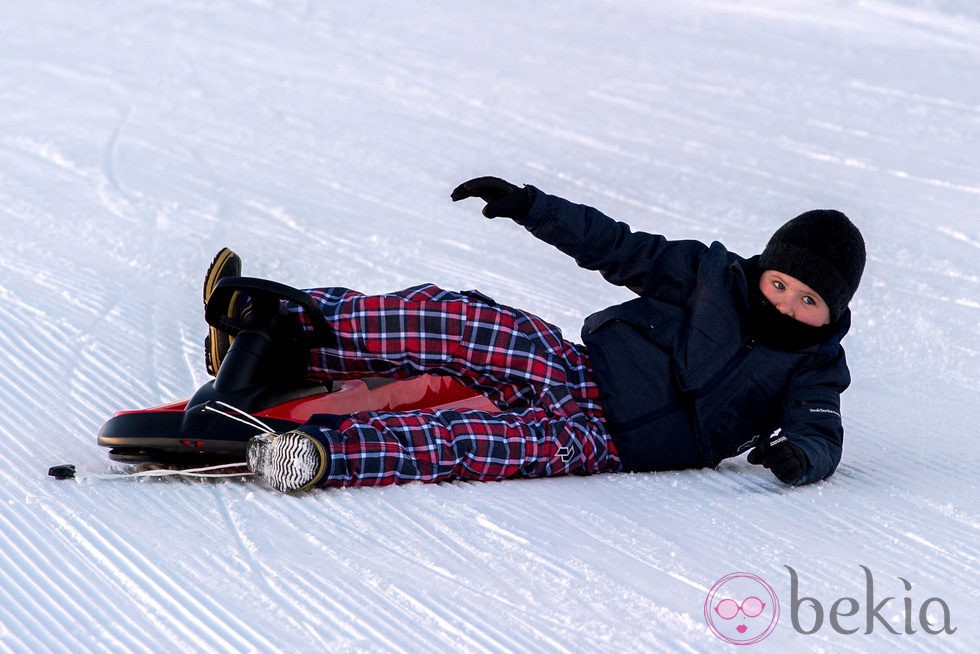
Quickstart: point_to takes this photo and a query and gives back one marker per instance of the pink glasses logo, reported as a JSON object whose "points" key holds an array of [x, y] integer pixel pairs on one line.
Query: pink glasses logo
{"points": [[741, 609]]}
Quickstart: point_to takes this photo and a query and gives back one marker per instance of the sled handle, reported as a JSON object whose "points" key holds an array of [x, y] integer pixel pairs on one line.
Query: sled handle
{"points": [[265, 296]]}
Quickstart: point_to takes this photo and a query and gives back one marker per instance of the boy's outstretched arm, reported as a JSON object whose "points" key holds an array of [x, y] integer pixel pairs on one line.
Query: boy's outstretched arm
{"points": [[647, 264]]}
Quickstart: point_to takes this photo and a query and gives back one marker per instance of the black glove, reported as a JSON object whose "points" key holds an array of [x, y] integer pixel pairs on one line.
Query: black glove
{"points": [[779, 454], [503, 198]]}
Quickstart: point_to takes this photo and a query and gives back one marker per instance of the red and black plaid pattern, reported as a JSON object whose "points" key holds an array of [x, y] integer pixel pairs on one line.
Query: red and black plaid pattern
{"points": [[550, 421]]}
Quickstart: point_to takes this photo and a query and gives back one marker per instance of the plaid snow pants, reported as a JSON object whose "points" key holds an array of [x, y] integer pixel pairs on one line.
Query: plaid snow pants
{"points": [[549, 423]]}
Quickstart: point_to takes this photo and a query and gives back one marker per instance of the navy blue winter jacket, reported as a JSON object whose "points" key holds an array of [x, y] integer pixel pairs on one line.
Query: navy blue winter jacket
{"points": [[683, 380]]}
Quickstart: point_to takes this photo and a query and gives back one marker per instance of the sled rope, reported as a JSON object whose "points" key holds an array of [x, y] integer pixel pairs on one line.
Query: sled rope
{"points": [[206, 471], [242, 416], [67, 471]]}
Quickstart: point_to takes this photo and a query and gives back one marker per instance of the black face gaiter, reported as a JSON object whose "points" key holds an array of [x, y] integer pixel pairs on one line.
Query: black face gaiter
{"points": [[779, 331]]}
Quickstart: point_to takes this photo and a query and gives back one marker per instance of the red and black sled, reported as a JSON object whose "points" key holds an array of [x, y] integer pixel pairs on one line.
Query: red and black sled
{"points": [[250, 395]]}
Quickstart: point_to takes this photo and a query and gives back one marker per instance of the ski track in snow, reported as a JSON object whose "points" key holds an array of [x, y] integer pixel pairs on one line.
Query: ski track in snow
{"points": [[321, 141]]}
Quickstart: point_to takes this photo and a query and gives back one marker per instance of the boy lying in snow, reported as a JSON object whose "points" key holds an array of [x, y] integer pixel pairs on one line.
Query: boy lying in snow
{"points": [[716, 354]]}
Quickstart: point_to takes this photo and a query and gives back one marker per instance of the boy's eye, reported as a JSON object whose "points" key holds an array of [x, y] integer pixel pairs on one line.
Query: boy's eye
{"points": [[809, 300], [779, 285]]}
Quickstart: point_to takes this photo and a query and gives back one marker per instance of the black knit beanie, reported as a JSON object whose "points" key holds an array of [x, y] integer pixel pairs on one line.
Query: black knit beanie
{"points": [[822, 249]]}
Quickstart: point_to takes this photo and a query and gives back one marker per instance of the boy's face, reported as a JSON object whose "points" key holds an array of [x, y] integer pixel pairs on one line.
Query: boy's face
{"points": [[793, 298]]}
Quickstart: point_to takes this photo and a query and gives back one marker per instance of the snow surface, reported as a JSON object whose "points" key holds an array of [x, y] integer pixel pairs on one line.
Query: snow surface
{"points": [[321, 140]]}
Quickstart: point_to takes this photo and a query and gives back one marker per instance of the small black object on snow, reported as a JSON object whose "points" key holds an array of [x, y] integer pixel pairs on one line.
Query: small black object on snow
{"points": [[65, 471]]}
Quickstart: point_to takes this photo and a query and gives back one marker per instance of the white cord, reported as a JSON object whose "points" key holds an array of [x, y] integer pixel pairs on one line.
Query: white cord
{"points": [[171, 472], [246, 418]]}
